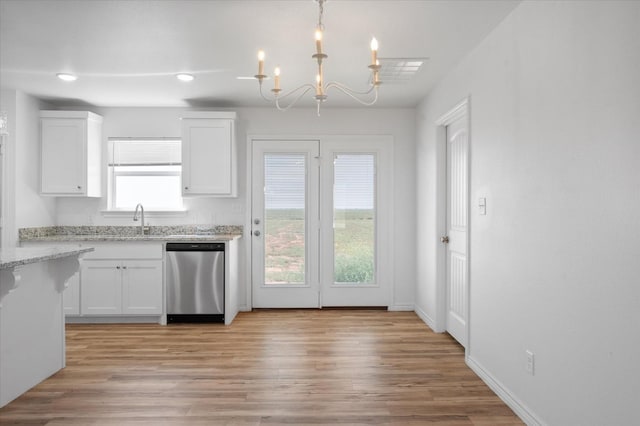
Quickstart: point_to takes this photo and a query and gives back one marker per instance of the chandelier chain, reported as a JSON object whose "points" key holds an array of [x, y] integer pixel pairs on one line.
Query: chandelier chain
{"points": [[320, 14]]}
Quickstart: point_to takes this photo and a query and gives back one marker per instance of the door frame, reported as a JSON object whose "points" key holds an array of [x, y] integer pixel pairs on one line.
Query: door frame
{"points": [[461, 109], [248, 231]]}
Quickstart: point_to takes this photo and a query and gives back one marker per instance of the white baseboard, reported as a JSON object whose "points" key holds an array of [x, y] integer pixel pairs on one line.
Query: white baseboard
{"points": [[426, 318], [503, 393], [400, 308]]}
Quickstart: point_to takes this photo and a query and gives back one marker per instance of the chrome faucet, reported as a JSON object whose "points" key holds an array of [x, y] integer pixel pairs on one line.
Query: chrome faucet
{"points": [[135, 217]]}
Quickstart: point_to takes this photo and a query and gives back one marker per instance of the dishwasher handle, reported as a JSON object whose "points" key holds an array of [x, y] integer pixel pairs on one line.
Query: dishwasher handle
{"points": [[195, 246]]}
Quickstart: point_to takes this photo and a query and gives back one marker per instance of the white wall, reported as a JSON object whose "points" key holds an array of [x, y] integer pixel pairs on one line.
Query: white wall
{"points": [[23, 204], [400, 123], [31, 208], [8, 236], [555, 119]]}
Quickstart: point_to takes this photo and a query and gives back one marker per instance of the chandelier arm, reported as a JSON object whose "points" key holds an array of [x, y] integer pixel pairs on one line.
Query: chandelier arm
{"points": [[263, 96], [348, 89], [296, 99], [353, 94]]}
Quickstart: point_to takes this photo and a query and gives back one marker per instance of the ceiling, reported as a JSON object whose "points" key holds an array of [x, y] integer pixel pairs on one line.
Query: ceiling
{"points": [[127, 52]]}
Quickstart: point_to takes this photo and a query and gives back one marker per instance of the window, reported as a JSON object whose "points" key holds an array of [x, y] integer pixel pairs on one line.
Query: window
{"points": [[285, 185], [147, 171], [354, 214]]}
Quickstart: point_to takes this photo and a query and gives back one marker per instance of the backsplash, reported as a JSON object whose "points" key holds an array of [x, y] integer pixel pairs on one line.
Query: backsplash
{"points": [[52, 231]]}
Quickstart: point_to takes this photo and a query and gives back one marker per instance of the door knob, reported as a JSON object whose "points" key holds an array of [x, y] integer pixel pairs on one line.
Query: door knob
{"points": [[445, 239], [256, 233]]}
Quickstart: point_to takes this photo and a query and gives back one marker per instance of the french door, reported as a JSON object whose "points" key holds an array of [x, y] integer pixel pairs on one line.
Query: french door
{"points": [[285, 224], [321, 222]]}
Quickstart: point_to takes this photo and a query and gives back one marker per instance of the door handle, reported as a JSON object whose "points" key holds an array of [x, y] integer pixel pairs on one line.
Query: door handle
{"points": [[256, 233], [445, 239]]}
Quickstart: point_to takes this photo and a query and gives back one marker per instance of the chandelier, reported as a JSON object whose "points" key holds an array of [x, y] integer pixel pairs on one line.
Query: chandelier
{"points": [[320, 89]]}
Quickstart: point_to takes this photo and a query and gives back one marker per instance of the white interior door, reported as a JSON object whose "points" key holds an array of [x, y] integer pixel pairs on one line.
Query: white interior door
{"points": [[285, 224], [457, 228]]}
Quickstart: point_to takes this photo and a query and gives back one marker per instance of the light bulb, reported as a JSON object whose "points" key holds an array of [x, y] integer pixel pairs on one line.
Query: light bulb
{"points": [[374, 51], [276, 79], [374, 44], [260, 63], [319, 41]]}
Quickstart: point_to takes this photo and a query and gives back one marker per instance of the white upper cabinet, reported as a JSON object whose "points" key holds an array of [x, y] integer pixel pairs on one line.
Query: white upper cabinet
{"points": [[209, 154], [70, 144]]}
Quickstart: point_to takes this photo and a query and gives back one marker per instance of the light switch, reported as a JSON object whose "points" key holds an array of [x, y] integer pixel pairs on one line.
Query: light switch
{"points": [[482, 206]]}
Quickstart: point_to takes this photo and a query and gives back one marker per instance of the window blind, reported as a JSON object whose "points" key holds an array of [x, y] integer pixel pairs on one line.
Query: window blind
{"points": [[145, 152]]}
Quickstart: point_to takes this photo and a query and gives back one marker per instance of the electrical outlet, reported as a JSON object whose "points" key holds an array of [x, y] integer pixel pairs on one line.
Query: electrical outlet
{"points": [[530, 365]]}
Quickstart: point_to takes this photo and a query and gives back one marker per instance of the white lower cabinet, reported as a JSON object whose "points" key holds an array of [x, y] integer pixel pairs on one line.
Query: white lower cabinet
{"points": [[101, 287], [116, 279], [121, 287], [121, 279], [142, 287]]}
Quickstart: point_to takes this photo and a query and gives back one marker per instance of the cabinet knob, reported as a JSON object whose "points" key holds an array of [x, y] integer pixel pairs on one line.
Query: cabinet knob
{"points": [[117, 267], [186, 188], [124, 267], [79, 187]]}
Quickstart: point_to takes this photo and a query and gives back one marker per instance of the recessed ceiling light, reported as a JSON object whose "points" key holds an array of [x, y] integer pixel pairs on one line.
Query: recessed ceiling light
{"points": [[66, 77], [185, 77]]}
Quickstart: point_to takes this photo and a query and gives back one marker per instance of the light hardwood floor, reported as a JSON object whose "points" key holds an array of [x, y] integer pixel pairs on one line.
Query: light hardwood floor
{"points": [[270, 367]]}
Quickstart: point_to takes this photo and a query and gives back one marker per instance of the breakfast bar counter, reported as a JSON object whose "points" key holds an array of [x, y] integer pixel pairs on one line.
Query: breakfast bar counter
{"points": [[32, 335]]}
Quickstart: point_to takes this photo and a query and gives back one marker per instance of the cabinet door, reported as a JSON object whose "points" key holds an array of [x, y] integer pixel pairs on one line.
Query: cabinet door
{"points": [[71, 296], [142, 287], [101, 287], [63, 153], [207, 157]]}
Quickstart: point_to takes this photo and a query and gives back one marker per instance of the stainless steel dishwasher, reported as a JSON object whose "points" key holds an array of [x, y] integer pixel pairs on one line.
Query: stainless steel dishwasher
{"points": [[195, 282]]}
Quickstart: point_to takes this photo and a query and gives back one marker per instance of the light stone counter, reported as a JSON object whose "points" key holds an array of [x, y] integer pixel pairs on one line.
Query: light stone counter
{"points": [[10, 258], [202, 233]]}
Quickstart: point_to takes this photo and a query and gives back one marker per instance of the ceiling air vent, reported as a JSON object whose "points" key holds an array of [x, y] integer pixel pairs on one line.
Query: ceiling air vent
{"points": [[399, 70]]}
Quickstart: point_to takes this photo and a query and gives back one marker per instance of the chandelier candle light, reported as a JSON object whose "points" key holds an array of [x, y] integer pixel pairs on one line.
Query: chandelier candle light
{"points": [[319, 86]]}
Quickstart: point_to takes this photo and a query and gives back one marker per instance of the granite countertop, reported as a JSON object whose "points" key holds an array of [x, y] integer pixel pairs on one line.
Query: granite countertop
{"points": [[107, 238], [18, 256], [204, 233]]}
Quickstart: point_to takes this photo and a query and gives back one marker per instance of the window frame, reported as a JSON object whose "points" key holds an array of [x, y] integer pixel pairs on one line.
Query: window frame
{"points": [[112, 174]]}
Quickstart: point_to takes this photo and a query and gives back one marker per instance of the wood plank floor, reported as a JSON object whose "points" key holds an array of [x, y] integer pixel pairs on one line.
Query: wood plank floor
{"points": [[270, 367]]}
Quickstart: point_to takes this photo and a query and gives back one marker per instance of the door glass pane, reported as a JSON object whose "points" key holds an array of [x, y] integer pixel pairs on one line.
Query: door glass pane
{"points": [[284, 201], [354, 218]]}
